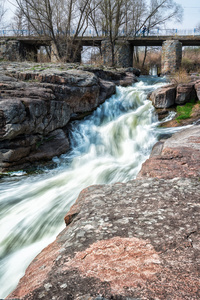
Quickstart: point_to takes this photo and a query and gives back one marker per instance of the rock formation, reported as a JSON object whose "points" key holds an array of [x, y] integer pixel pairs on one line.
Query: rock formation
{"points": [[178, 156], [175, 94], [37, 104]]}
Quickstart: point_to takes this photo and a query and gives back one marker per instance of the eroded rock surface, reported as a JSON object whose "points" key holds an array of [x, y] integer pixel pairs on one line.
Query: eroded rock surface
{"points": [[178, 156], [135, 240]]}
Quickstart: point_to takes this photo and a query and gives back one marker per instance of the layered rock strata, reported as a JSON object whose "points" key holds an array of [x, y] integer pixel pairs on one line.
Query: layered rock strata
{"points": [[135, 240], [36, 105]]}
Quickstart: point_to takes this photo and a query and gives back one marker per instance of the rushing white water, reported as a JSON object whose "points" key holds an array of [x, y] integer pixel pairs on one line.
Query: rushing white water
{"points": [[107, 147]]}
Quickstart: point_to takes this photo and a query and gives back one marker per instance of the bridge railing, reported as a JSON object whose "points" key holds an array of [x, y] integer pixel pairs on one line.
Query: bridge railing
{"points": [[92, 33], [18, 32]]}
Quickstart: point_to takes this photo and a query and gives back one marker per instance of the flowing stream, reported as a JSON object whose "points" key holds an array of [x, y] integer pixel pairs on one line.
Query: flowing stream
{"points": [[108, 146]]}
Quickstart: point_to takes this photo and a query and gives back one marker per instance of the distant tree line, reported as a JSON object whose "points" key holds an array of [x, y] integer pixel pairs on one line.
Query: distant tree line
{"points": [[65, 20]]}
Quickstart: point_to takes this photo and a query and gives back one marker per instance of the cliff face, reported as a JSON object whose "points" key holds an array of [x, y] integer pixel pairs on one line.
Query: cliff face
{"points": [[128, 240], [36, 105]]}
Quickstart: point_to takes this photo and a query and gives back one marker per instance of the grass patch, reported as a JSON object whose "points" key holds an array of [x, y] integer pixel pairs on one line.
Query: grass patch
{"points": [[185, 111]]}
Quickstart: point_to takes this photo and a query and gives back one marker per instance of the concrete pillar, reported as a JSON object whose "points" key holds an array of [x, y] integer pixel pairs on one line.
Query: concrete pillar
{"points": [[54, 53], [10, 50], [123, 53], [171, 56]]}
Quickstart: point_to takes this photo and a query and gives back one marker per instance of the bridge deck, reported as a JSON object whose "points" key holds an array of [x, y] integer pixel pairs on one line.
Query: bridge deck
{"points": [[96, 41], [145, 41]]}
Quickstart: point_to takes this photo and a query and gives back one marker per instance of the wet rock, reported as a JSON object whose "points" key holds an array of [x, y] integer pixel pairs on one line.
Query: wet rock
{"points": [[185, 92], [164, 97], [178, 156], [127, 80], [107, 89], [134, 240]]}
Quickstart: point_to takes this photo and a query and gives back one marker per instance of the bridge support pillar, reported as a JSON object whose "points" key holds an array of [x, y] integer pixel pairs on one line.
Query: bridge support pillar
{"points": [[123, 53], [171, 56], [10, 50], [54, 53]]}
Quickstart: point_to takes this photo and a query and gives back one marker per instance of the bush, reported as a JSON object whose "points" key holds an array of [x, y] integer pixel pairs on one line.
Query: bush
{"points": [[180, 76]]}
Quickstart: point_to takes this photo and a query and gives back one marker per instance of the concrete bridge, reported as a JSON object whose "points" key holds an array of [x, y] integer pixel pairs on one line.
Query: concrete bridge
{"points": [[26, 47]]}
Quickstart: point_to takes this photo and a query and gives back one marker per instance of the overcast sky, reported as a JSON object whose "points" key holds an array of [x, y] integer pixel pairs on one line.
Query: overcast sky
{"points": [[190, 19], [191, 15]]}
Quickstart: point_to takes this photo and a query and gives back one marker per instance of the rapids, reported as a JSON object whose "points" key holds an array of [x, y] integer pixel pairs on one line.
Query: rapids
{"points": [[106, 147]]}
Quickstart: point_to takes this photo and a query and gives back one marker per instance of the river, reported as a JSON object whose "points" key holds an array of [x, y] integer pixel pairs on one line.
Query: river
{"points": [[108, 146]]}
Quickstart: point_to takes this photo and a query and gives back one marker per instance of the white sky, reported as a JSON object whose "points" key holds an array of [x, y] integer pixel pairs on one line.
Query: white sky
{"points": [[190, 19], [191, 15]]}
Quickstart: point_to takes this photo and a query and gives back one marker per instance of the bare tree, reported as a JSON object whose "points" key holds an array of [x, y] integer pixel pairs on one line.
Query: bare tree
{"points": [[112, 19], [2, 10], [65, 20], [198, 27], [157, 13], [62, 20], [129, 16]]}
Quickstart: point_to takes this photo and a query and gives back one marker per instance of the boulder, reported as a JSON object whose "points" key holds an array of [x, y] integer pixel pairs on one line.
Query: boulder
{"points": [[134, 240], [178, 156], [164, 97], [185, 93]]}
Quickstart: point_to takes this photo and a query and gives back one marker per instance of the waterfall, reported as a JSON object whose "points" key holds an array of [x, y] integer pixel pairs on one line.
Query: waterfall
{"points": [[108, 146]]}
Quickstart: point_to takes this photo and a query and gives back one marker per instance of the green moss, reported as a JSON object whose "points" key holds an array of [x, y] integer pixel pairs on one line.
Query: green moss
{"points": [[185, 111]]}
